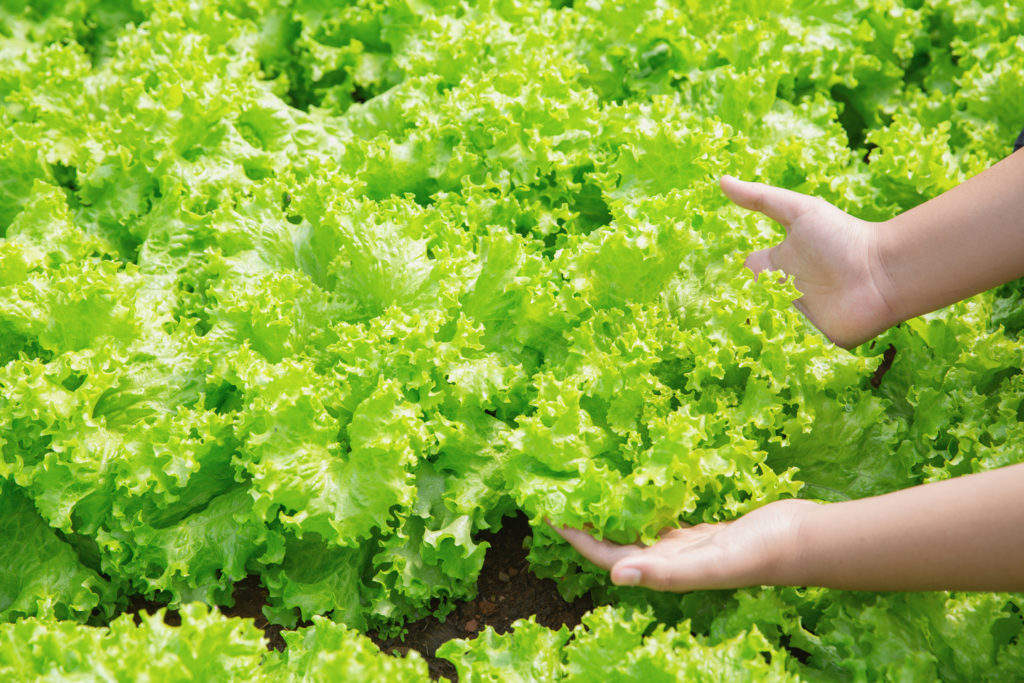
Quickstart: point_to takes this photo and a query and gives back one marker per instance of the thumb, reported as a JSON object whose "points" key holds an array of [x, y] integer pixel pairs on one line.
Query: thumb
{"points": [[656, 572], [696, 569], [632, 573], [782, 206]]}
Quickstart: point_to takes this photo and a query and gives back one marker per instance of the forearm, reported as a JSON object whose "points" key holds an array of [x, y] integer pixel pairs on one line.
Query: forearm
{"points": [[962, 242], [961, 534]]}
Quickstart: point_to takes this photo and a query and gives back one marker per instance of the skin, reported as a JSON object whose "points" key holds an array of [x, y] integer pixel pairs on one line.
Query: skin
{"points": [[858, 279]]}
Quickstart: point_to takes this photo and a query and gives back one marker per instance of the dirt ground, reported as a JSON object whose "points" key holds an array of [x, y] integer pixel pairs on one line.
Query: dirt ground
{"points": [[507, 591]]}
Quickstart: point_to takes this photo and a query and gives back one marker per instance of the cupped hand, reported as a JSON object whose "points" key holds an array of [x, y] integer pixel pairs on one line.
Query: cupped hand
{"points": [[833, 257], [757, 549]]}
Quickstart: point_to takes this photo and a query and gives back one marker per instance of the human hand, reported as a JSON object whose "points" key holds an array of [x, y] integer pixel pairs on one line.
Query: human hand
{"points": [[756, 549], [833, 257]]}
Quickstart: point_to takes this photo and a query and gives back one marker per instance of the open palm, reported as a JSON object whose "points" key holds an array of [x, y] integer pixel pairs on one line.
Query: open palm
{"points": [[724, 555]]}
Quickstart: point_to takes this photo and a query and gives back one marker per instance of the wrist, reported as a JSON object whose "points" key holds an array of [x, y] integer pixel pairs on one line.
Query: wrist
{"points": [[883, 255], [787, 564]]}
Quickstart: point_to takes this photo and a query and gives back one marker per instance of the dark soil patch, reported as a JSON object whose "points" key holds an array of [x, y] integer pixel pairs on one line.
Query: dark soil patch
{"points": [[507, 591], [137, 605], [250, 597]]}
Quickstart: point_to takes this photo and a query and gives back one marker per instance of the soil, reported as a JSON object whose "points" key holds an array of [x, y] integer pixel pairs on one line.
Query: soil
{"points": [[250, 597], [507, 591]]}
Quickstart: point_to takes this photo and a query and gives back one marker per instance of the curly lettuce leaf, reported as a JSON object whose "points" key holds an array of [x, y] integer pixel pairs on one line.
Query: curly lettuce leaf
{"points": [[42, 575]]}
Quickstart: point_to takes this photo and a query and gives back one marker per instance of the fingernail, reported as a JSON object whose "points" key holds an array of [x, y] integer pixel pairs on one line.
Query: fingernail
{"points": [[628, 577]]}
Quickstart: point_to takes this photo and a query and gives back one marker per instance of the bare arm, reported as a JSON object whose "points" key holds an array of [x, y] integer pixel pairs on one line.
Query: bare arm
{"points": [[960, 243], [963, 534]]}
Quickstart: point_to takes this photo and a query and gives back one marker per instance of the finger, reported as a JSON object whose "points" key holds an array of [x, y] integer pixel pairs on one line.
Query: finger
{"points": [[602, 553], [783, 206], [696, 569], [760, 261]]}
